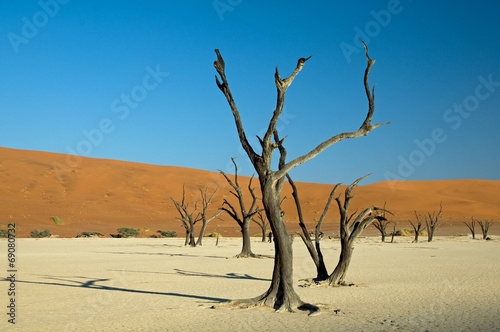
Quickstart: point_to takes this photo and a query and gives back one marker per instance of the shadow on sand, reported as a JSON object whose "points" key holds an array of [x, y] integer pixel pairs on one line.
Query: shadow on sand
{"points": [[91, 283], [231, 275]]}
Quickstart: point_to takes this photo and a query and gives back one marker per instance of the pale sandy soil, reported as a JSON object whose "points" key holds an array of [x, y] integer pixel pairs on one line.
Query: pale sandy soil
{"points": [[450, 284]]}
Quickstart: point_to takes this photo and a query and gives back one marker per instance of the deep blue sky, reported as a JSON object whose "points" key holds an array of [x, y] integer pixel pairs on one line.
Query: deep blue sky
{"points": [[67, 69]]}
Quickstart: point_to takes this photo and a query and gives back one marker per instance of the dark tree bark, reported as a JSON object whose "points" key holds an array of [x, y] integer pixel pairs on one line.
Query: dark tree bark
{"points": [[186, 218], [263, 223], [471, 226], [244, 217], [485, 227], [417, 226], [393, 232], [189, 220], [314, 250], [432, 222], [205, 202], [281, 294], [349, 231]]}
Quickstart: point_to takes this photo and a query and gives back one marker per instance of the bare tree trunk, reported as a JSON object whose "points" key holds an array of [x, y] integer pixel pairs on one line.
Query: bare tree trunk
{"points": [[205, 202], [417, 227], [246, 250], [337, 278], [471, 226], [281, 294], [187, 237], [263, 223], [432, 222], [393, 232], [485, 226], [314, 250], [349, 231], [243, 218]]}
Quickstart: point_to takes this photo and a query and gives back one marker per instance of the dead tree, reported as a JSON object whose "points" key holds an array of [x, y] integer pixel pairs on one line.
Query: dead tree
{"points": [[205, 202], [432, 222], [187, 219], [381, 225], [417, 226], [190, 219], [393, 231], [485, 226], [281, 294], [350, 228], [471, 226], [244, 216], [262, 222], [314, 250]]}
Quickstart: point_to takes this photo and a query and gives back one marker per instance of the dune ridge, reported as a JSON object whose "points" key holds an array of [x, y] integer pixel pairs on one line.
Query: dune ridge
{"points": [[90, 194]]}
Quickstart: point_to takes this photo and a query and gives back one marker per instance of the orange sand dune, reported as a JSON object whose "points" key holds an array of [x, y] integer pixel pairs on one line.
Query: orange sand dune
{"points": [[102, 195]]}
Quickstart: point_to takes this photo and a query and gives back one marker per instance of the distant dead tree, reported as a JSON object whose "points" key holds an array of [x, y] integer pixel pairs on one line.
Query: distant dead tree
{"points": [[189, 219], [432, 222], [381, 225], [281, 294], [393, 231], [417, 226], [205, 202], [485, 226], [262, 222], [471, 226], [244, 216]]}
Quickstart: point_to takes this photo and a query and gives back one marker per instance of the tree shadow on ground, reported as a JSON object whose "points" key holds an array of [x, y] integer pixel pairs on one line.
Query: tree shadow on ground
{"points": [[91, 283], [158, 253], [231, 275]]}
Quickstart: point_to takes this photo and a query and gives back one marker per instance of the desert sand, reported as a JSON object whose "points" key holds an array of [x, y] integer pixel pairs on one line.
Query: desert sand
{"points": [[101, 195], [450, 284]]}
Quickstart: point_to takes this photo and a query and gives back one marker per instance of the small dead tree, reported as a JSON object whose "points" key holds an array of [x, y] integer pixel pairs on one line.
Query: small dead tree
{"points": [[381, 225], [262, 222], [485, 226], [432, 222], [314, 250], [281, 294], [471, 226], [244, 216], [393, 230], [189, 219], [205, 202], [349, 230], [417, 226]]}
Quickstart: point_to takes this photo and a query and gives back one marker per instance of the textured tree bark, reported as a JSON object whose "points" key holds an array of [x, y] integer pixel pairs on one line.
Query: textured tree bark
{"points": [[281, 294]]}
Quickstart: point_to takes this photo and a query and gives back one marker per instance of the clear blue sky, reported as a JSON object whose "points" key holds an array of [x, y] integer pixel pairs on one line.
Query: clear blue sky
{"points": [[134, 80]]}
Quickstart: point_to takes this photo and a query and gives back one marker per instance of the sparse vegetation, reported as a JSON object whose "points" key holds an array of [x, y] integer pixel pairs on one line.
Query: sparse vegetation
{"points": [[167, 233], [37, 234], [56, 220], [407, 232], [4, 233], [89, 234], [128, 232]]}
